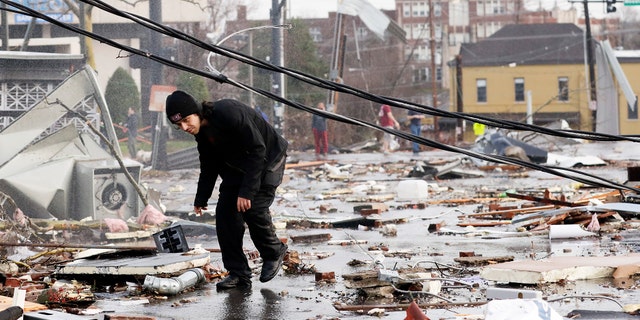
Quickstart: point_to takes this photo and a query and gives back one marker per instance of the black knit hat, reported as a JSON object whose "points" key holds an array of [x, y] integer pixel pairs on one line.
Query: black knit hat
{"points": [[179, 105]]}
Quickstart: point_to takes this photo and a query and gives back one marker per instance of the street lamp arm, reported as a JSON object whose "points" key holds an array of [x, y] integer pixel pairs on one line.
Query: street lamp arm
{"points": [[278, 26]]}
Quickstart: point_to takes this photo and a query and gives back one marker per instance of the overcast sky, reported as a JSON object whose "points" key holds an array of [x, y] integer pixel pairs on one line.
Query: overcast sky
{"points": [[309, 8], [259, 9]]}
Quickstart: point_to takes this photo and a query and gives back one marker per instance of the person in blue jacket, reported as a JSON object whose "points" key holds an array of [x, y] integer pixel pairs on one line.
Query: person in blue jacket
{"points": [[236, 144]]}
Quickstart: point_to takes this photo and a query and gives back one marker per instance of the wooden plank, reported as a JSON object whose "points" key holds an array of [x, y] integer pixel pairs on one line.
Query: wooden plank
{"points": [[304, 164], [481, 261], [545, 225], [464, 201], [399, 307], [483, 223], [6, 302], [543, 200], [310, 238], [509, 213]]}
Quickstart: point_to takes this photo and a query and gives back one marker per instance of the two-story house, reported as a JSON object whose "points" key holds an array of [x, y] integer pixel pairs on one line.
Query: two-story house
{"points": [[540, 67]]}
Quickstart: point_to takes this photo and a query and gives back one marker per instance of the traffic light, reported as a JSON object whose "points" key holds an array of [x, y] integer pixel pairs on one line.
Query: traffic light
{"points": [[611, 6]]}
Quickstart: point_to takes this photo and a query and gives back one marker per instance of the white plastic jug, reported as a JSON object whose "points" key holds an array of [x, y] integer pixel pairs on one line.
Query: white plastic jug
{"points": [[409, 190]]}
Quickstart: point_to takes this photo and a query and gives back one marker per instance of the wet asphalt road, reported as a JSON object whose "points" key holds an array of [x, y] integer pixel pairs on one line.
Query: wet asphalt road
{"points": [[300, 297]]}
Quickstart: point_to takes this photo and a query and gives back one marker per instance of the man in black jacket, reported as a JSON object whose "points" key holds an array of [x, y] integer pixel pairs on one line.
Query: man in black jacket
{"points": [[237, 144]]}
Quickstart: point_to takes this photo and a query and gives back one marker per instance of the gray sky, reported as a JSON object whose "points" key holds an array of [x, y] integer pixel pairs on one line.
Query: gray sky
{"points": [[310, 9], [320, 8]]}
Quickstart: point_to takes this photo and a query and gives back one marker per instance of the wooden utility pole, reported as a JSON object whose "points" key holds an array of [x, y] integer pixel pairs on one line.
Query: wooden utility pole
{"points": [[592, 80], [159, 154], [5, 28], [434, 87], [278, 59], [337, 60]]}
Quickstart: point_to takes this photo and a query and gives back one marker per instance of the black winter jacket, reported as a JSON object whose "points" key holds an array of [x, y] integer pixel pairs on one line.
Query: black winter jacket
{"points": [[238, 145]]}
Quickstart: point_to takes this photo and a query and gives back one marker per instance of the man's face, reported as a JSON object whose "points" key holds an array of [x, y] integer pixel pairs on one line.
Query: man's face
{"points": [[190, 124]]}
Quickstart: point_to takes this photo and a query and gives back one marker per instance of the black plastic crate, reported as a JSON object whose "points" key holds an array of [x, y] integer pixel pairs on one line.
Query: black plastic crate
{"points": [[171, 240]]}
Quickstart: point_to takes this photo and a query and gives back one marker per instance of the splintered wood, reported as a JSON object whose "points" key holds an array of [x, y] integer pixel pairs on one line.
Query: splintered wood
{"points": [[543, 211]]}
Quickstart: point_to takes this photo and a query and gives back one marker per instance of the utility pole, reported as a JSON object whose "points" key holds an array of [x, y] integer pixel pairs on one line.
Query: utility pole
{"points": [[278, 59], [459, 96], [590, 62], [434, 85], [159, 152], [337, 62], [5, 28]]}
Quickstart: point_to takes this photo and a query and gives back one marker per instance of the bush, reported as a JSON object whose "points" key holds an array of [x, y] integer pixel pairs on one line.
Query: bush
{"points": [[121, 93]]}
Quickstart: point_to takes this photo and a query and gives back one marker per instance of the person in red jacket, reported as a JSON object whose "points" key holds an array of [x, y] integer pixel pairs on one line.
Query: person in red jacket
{"points": [[388, 121], [320, 136], [236, 144]]}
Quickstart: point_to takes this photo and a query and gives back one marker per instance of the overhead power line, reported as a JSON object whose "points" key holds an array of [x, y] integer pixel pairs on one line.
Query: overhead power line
{"points": [[572, 174]]}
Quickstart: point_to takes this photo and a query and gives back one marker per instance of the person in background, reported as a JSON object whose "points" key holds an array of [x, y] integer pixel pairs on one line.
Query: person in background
{"points": [[236, 144], [415, 125], [320, 136], [387, 120], [478, 128], [262, 113], [132, 132]]}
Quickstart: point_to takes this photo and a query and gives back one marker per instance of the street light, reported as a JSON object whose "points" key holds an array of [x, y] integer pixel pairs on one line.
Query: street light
{"points": [[211, 54]]}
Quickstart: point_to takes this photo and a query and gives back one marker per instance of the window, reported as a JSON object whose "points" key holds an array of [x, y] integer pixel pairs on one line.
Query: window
{"points": [[453, 39], [362, 32], [519, 89], [416, 10], [422, 9], [407, 30], [480, 8], [420, 75], [481, 90], [633, 114], [406, 9], [563, 89], [316, 34], [437, 9]]}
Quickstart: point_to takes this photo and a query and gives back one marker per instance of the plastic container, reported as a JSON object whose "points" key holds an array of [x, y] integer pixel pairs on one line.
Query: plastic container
{"points": [[411, 190]]}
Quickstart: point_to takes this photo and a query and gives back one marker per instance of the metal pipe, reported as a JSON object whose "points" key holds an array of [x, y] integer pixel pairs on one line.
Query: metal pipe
{"points": [[172, 286]]}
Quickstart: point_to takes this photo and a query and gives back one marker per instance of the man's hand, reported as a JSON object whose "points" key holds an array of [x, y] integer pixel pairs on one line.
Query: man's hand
{"points": [[198, 210], [243, 204]]}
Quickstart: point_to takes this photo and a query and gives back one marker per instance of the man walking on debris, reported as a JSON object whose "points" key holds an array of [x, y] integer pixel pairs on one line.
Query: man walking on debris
{"points": [[237, 144]]}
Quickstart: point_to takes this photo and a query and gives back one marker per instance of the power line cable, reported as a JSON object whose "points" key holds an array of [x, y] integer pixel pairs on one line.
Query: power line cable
{"points": [[558, 171]]}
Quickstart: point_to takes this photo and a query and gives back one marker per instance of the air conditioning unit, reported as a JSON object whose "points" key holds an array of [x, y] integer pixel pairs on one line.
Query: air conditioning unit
{"points": [[102, 190]]}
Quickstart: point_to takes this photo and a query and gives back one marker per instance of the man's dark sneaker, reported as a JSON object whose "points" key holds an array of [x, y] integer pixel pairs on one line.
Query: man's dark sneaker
{"points": [[233, 281], [270, 268]]}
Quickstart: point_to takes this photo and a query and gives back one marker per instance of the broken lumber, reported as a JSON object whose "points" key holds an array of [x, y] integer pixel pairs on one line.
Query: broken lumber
{"points": [[404, 306]]}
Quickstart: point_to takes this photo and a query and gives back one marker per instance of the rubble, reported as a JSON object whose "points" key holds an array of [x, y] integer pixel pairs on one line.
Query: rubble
{"points": [[371, 236]]}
